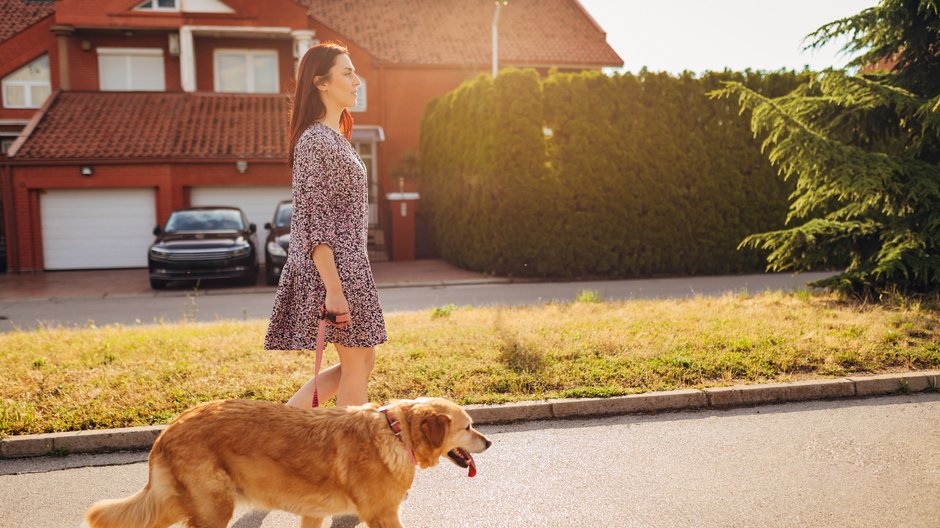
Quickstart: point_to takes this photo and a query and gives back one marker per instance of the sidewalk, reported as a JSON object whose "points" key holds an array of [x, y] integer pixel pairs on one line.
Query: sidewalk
{"points": [[135, 282]]}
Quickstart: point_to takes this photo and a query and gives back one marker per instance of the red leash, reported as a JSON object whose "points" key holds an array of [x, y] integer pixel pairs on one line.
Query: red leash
{"points": [[340, 321]]}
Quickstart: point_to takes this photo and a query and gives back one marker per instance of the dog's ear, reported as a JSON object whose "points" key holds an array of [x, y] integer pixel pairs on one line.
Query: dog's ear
{"points": [[434, 428], [428, 430]]}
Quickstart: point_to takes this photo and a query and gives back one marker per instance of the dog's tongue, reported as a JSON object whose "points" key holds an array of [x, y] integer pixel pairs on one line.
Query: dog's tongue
{"points": [[471, 466]]}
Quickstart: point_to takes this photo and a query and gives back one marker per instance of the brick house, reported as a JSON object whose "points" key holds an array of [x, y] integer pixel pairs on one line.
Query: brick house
{"points": [[116, 112]]}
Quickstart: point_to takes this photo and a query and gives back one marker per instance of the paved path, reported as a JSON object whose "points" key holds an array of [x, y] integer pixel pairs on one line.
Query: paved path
{"points": [[855, 463], [219, 304], [136, 281]]}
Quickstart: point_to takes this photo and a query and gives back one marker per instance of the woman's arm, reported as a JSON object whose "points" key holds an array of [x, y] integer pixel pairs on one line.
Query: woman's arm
{"points": [[326, 266], [313, 220]]}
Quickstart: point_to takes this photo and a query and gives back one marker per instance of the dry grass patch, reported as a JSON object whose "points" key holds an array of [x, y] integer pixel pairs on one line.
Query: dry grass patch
{"points": [[70, 379]]}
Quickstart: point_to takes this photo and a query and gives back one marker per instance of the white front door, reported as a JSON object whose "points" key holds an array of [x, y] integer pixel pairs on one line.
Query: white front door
{"points": [[97, 228], [258, 203]]}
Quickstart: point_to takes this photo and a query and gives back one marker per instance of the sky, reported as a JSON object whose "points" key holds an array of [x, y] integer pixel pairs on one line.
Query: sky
{"points": [[701, 35]]}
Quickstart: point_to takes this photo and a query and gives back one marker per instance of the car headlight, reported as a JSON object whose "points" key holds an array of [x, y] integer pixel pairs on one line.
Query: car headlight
{"points": [[242, 250], [275, 249], [158, 252]]}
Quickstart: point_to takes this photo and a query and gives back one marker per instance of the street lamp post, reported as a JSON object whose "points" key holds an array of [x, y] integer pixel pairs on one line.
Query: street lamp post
{"points": [[499, 5]]}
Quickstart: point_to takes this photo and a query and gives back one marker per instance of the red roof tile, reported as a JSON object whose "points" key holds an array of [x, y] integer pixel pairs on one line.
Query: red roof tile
{"points": [[134, 125], [531, 32], [17, 15]]}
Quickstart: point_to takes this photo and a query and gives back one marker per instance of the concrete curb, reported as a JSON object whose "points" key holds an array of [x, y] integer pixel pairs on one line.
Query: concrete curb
{"points": [[454, 282], [760, 394], [139, 438]]}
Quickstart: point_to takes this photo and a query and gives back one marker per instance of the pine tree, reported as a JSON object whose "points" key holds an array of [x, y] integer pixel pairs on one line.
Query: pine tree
{"points": [[864, 151]]}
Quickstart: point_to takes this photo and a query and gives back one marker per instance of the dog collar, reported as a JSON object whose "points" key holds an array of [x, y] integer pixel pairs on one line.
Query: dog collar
{"points": [[395, 425]]}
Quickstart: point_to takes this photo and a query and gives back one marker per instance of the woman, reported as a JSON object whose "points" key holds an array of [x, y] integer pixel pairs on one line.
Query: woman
{"points": [[327, 262]]}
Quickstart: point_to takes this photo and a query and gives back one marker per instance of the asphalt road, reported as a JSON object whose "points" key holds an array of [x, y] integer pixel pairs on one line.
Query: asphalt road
{"points": [[218, 304], [855, 463]]}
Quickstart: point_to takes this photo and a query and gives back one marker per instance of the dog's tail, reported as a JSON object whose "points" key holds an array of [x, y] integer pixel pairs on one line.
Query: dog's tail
{"points": [[138, 510], [148, 507]]}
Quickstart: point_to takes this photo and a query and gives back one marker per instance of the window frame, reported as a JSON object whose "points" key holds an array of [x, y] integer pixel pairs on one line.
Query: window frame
{"points": [[129, 53], [371, 160], [249, 55], [5, 138], [155, 7], [27, 86]]}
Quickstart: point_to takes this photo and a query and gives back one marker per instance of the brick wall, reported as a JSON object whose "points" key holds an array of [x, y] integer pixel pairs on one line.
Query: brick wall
{"points": [[22, 49], [83, 64], [170, 181]]}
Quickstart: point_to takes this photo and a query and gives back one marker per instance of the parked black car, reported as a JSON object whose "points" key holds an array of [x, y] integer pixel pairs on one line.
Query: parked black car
{"points": [[275, 247], [203, 243]]}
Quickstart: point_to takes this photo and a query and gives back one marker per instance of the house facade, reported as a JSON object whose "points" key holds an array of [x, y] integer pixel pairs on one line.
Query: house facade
{"points": [[117, 112]]}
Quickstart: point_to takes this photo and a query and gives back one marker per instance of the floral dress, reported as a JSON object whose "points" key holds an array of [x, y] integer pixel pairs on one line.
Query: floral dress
{"points": [[331, 206]]}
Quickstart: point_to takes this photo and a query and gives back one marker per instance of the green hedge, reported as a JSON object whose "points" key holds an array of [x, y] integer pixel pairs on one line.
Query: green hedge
{"points": [[640, 174]]}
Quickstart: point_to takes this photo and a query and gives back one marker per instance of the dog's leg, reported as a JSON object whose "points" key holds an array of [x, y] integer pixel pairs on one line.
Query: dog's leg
{"points": [[384, 520], [206, 496], [210, 509], [209, 520], [311, 522], [213, 515]]}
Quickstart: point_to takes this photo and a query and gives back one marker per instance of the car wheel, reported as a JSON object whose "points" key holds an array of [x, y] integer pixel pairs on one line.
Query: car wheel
{"points": [[158, 284]]}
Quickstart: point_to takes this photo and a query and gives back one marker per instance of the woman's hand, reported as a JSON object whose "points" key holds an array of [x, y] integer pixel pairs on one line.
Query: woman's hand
{"points": [[336, 302]]}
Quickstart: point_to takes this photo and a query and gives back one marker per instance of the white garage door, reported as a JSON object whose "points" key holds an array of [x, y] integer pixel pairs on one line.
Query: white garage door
{"points": [[258, 203], [97, 228]]}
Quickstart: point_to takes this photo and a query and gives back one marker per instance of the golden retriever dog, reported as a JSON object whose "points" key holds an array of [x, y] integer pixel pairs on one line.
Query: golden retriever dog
{"points": [[313, 463]]}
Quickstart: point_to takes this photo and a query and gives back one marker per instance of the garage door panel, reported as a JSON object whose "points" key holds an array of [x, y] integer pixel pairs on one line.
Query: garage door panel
{"points": [[96, 219], [126, 229], [97, 228], [258, 203], [101, 259], [102, 244]]}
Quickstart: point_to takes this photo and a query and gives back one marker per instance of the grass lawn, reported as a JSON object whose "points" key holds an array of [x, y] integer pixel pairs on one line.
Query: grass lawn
{"points": [[57, 379]]}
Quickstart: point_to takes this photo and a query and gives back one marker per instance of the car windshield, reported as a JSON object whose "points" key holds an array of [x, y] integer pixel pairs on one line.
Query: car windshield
{"points": [[283, 215], [208, 220]]}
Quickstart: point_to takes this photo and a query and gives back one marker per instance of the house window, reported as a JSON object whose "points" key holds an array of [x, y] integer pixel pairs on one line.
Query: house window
{"points": [[246, 71], [29, 86], [5, 144], [159, 5], [361, 97], [131, 70], [9, 130]]}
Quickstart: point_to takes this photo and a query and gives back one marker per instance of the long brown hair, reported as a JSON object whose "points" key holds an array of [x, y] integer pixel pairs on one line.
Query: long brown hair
{"points": [[306, 105]]}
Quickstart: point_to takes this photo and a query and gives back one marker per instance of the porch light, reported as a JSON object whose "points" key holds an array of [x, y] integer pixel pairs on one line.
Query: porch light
{"points": [[241, 166], [174, 44], [87, 170]]}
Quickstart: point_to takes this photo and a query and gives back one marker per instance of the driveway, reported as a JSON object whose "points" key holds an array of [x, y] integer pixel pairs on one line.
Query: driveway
{"points": [[136, 282]]}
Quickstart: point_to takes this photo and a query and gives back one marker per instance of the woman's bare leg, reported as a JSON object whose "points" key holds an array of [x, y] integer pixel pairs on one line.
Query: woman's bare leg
{"points": [[327, 385], [353, 383]]}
